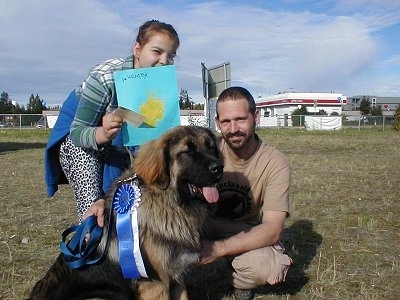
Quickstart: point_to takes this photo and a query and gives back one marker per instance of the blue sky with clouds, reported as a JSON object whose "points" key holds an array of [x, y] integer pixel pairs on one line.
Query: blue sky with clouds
{"points": [[347, 46]]}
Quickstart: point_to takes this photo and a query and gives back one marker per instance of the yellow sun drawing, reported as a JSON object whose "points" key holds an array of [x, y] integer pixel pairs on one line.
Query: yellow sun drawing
{"points": [[152, 110]]}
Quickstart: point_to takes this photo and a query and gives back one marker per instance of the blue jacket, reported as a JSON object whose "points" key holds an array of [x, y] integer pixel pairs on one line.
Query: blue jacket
{"points": [[114, 163]]}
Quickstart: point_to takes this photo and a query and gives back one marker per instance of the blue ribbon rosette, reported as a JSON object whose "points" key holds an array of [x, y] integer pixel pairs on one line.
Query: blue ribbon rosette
{"points": [[123, 200]]}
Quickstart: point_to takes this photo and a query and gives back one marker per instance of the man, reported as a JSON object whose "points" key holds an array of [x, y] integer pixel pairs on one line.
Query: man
{"points": [[254, 199]]}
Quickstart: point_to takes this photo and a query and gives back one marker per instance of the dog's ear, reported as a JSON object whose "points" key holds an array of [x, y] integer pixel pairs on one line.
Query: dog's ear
{"points": [[151, 165]]}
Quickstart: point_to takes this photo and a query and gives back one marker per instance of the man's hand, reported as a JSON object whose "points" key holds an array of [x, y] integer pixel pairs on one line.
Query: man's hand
{"points": [[210, 251], [97, 209]]}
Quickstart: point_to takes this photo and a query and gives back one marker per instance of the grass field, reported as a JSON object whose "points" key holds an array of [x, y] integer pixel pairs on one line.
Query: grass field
{"points": [[343, 233]]}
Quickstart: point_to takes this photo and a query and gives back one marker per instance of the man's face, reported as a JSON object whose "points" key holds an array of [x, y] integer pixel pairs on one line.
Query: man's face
{"points": [[236, 123]]}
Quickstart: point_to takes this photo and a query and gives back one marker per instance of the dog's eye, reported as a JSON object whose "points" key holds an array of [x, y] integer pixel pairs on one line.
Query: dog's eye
{"points": [[184, 155], [189, 151]]}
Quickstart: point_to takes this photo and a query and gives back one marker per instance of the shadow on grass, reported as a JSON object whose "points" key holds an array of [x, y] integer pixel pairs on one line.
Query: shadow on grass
{"points": [[13, 146], [301, 242]]}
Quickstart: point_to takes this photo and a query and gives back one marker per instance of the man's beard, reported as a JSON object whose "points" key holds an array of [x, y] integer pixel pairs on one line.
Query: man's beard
{"points": [[239, 144], [243, 142]]}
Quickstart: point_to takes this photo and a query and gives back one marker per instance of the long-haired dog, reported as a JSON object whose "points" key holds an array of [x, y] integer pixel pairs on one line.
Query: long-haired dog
{"points": [[176, 177]]}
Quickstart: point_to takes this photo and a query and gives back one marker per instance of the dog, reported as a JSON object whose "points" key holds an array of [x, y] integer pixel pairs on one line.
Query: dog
{"points": [[177, 174]]}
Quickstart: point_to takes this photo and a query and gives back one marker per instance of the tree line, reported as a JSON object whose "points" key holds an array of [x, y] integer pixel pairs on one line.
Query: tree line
{"points": [[36, 105]]}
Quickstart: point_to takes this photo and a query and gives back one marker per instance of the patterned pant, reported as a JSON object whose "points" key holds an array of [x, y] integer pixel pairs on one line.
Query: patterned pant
{"points": [[84, 171]]}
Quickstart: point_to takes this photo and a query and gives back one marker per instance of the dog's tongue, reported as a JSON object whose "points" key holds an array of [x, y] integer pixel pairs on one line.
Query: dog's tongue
{"points": [[210, 193]]}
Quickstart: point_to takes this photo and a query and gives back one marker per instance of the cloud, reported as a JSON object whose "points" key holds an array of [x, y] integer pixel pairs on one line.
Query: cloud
{"points": [[273, 51], [392, 61], [49, 46]]}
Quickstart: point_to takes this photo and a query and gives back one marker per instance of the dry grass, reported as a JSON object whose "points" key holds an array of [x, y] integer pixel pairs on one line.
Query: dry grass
{"points": [[343, 233]]}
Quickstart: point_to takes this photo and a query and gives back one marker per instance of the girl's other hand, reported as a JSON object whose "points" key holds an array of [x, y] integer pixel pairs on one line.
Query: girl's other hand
{"points": [[96, 209]]}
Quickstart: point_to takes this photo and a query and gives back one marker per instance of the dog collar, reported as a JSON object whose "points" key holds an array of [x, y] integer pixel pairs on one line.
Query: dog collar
{"points": [[126, 200]]}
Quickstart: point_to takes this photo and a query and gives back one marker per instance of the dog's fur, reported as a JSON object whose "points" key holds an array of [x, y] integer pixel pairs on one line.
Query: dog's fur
{"points": [[172, 171]]}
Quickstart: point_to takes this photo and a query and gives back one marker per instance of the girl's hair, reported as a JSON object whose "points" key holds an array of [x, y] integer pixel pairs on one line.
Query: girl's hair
{"points": [[236, 93], [154, 26]]}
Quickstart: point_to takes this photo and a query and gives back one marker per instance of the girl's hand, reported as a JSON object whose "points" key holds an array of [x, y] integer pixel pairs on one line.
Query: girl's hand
{"points": [[111, 125], [96, 209]]}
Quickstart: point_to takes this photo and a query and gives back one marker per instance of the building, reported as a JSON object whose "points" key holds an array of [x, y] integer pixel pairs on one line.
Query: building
{"points": [[387, 104], [285, 103]]}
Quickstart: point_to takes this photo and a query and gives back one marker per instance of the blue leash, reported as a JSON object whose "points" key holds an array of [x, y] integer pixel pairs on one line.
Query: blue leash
{"points": [[77, 250]]}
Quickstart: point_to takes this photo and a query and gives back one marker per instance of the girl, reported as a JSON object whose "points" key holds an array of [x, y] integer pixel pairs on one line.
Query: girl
{"points": [[79, 146]]}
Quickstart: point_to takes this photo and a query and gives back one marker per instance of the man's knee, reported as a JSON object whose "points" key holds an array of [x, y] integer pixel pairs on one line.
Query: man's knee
{"points": [[261, 266]]}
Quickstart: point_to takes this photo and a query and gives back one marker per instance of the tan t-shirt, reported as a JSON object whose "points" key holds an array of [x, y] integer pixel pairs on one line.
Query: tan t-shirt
{"points": [[259, 184]]}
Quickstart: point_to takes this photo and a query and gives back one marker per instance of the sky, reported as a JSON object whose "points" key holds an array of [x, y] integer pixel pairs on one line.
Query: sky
{"points": [[347, 46]]}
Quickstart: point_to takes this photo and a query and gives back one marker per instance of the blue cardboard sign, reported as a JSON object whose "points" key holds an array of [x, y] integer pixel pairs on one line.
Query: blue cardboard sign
{"points": [[152, 94]]}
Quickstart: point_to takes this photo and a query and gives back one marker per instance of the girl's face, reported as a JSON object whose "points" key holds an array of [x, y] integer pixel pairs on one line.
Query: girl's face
{"points": [[158, 51]]}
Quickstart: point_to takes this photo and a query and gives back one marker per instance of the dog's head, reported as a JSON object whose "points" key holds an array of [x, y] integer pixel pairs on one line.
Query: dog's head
{"points": [[185, 158]]}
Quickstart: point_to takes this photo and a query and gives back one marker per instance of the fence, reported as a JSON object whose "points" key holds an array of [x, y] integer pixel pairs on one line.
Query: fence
{"points": [[31, 121], [323, 122], [22, 121], [318, 122]]}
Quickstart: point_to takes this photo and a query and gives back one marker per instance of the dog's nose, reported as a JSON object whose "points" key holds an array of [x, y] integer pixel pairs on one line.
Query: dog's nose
{"points": [[216, 168]]}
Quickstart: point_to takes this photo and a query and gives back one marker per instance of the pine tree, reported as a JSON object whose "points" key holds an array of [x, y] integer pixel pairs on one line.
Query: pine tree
{"points": [[6, 106], [35, 105], [365, 106]]}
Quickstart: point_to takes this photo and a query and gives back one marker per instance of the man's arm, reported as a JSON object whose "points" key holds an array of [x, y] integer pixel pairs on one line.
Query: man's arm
{"points": [[267, 233]]}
